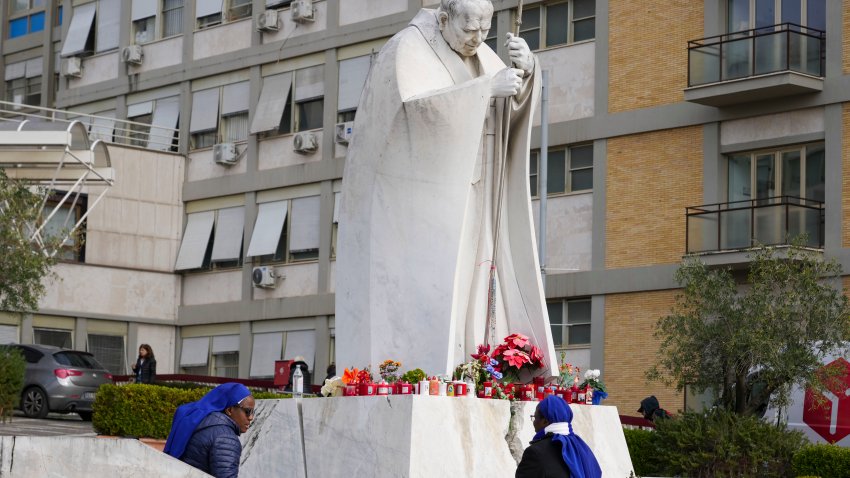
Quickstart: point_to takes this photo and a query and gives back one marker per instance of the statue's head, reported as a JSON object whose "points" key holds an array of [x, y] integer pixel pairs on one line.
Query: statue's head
{"points": [[465, 23]]}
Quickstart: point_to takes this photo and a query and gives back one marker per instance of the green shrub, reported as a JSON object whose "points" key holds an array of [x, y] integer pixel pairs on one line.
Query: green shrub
{"points": [[822, 460], [12, 366], [721, 443], [413, 376], [139, 410], [642, 451]]}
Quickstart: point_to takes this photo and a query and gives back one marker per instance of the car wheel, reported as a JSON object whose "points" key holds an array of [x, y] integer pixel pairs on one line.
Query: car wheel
{"points": [[86, 416], [34, 403]]}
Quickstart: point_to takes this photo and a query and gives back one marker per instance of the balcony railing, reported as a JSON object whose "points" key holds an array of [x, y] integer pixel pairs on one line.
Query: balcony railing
{"points": [[739, 225], [778, 48]]}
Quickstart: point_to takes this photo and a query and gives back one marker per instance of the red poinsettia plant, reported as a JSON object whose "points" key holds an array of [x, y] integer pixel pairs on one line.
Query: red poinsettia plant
{"points": [[516, 354]]}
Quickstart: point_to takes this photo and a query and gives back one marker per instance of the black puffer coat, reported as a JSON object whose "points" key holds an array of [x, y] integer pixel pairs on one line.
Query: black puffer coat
{"points": [[214, 447]]}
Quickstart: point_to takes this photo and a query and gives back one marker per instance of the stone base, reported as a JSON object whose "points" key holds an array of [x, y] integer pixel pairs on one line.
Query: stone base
{"points": [[412, 436], [28, 457]]}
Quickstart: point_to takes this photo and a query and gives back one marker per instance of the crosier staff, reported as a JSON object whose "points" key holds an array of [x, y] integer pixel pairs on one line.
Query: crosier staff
{"points": [[490, 328]]}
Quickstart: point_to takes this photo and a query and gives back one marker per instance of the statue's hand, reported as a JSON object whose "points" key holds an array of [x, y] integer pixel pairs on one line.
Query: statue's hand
{"points": [[520, 54], [506, 82]]}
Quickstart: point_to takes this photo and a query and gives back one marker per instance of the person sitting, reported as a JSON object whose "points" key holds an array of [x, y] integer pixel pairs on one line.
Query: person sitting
{"points": [[651, 409], [205, 434], [556, 451]]}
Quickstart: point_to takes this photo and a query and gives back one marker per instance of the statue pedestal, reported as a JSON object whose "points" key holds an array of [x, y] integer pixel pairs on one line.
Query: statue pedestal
{"points": [[411, 436]]}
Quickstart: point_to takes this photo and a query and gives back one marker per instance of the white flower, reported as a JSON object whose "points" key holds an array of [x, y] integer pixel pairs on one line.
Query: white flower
{"points": [[332, 387], [591, 374]]}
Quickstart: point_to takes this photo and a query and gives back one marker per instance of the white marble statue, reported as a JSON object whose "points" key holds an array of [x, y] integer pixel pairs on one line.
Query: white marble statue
{"points": [[433, 145]]}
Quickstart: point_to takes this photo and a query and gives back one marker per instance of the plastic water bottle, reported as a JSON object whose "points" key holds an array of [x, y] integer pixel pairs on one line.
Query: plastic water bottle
{"points": [[297, 383]]}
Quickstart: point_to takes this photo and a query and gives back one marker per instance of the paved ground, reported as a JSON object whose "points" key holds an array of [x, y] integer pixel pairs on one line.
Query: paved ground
{"points": [[55, 424]]}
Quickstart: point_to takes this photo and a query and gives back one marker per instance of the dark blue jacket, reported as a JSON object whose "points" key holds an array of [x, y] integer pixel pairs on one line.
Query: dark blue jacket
{"points": [[214, 447]]}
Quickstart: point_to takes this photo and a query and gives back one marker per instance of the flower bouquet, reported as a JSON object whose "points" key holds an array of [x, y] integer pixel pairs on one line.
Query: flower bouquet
{"points": [[358, 382], [515, 356], [388, 369], [592, 380], [333, 387]]}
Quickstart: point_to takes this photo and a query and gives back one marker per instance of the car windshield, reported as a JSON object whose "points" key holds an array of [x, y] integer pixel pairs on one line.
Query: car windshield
{"points": [[77, 359]]}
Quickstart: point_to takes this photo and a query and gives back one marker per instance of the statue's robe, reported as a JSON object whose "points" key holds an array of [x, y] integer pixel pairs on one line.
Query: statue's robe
{"points": [[419, 209]]}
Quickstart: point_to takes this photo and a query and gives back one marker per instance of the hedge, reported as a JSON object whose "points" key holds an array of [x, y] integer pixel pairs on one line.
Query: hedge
{"points": [[141, 410], [822, 460], [642, 451], [12, 367]]}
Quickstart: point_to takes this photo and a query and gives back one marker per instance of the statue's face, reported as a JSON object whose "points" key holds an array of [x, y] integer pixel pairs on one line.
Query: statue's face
{"points": [[465, 31]]}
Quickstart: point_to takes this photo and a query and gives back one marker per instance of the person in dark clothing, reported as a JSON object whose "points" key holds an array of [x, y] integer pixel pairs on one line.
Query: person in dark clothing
{"points": [[556, 451], [331, 371], [651, 409], [144, 369], [205, 434]]}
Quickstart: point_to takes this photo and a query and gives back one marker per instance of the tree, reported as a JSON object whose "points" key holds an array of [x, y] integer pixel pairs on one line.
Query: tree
{"points": [[749, 343], [22, 263]]}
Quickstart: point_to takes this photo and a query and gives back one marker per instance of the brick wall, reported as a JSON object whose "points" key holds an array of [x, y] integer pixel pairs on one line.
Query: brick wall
{"points": [[652, 178], [845, 174], [630, 348], [648, 54]]}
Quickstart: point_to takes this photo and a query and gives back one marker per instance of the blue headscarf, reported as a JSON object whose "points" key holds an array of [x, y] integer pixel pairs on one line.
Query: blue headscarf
{"points": [[577, 455], [189, 415]]}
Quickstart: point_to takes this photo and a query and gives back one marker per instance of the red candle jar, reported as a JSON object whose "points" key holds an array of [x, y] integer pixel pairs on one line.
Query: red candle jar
{"points": [[488, 390], [383, 389], [403, 388], [538, 387], [366, 389], [460, 389], [526, 393], [350, 390]]}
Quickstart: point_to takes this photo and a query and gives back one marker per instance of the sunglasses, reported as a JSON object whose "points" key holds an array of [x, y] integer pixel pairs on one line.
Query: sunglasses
{"points": [[249, 412]]}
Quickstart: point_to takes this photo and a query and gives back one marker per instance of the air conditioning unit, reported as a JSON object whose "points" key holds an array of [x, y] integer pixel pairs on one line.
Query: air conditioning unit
{"points": [[305, 143], [264, 276], [72, 67], [225, 153], [133, 54], [301, 11], [343, 132], [268, 21]]}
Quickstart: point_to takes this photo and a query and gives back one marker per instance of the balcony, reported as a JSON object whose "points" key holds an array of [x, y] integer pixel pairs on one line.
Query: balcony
{"points": [[740, 225], [753, 65]]}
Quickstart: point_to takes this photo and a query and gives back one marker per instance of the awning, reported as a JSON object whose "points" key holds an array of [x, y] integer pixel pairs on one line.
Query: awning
{"points": [[78, 32], [228, 234], [304, 231], [225, 343], [195, 239], [267, 229], [352, 80], [273, 99], [204, 111], [195, 351], [265, 351]]}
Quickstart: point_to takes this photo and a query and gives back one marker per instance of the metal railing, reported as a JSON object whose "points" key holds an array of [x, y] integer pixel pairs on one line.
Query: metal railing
{"points": [[731, 56], [104, 128], [740, 225]]}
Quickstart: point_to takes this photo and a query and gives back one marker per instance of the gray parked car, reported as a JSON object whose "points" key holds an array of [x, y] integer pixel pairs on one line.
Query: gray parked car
{"points": [[60, 380]]}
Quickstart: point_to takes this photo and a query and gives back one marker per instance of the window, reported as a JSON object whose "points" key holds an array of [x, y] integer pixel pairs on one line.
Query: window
{"points": [[352, 80], [23, 82], [335, 226], [151, 124], [56, 337], [238, 9], [148, 14], [286, 231], [225, 351], [569, 170], [172, 18], [229, 104], [194, 355], [212, 240], [750, 14], [798, 171], [58, 225], [25, 17], [559, 23], [94, 28], [209, 12], [109, 351], [268, 347], [278, 113], [570, 322]]}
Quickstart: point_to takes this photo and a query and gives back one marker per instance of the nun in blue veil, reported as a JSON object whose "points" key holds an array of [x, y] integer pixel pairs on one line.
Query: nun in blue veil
{"points": [[556, 451], [205, 434]]}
